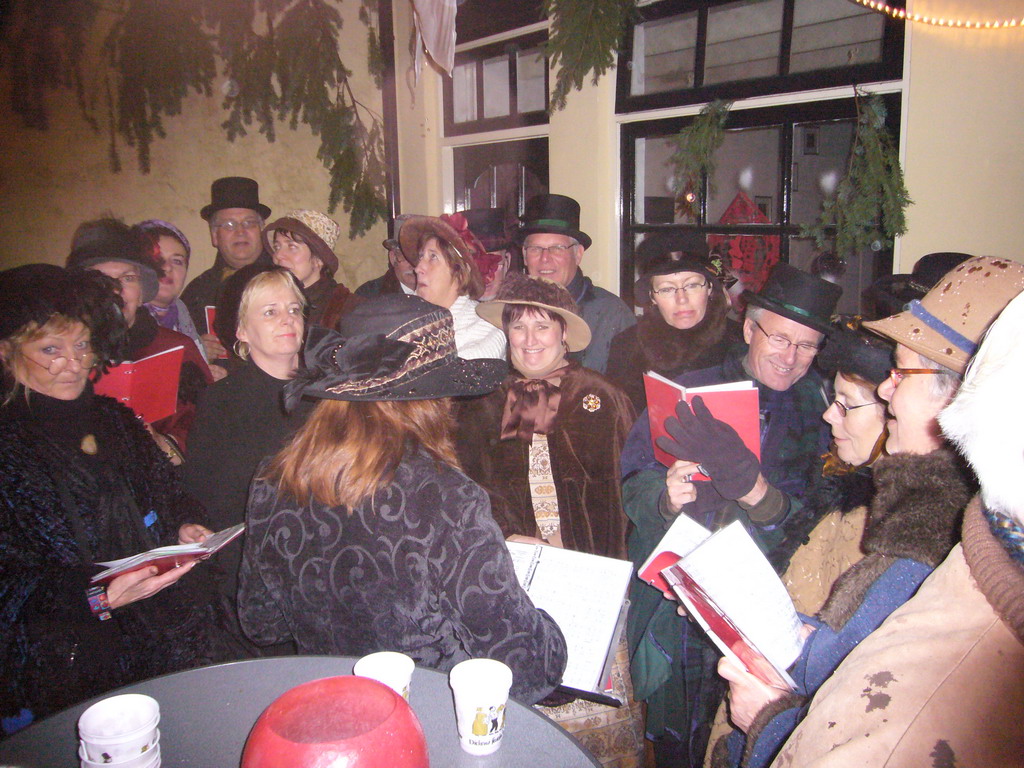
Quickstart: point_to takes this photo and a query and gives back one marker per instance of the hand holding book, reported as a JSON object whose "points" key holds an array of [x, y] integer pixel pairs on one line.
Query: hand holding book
{"points": [[696, 435]]}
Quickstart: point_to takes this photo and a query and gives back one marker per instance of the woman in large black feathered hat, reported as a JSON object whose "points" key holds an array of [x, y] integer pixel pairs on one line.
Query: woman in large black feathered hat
{"points": [[81, 482]]}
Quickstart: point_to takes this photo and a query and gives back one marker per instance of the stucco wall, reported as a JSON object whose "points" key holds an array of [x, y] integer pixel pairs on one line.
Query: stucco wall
{"points": [[52, 180], [963, 128]]}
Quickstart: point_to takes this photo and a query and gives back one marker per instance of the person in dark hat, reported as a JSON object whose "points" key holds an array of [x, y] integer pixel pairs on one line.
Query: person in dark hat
{"points": [[372, 478], [126, 255], [236, 217], [783, 330], [401, 275], [488, 225], [81, 482], [553, 246], [685, 325], [889, 294]]}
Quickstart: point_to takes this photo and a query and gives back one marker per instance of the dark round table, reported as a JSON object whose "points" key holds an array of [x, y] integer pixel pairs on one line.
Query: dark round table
{"points": [[206, 715]]}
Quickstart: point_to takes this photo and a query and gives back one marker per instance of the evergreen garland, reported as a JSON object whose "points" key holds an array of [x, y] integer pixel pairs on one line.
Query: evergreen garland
{"points": [[156, 52], [694, 156], [583, 38], [869, 204]]}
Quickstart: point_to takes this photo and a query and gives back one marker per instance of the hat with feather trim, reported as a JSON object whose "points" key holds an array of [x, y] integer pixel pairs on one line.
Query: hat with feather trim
{"points": [[392, 347]]}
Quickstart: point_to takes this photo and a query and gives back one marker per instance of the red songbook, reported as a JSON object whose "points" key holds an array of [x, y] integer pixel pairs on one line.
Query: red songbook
{"points": [[211, 318], [166, 558], [148, 386], [736, 404]]}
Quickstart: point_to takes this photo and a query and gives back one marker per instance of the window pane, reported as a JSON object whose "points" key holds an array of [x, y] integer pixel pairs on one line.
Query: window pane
{"points": [[820, 155], [747, 173], [854, 274], [663, 53], [464, 92], [743, 41], [530, 68], [834, 33], [655, 201], [496, 87]]}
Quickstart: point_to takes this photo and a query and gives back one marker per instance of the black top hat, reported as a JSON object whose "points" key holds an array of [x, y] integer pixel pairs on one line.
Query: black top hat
{"points": [[848, 349], [392, 347], [234, 192], [665, 253], [34, 293], [488, 224], [557, 214], [891, 293], [798, 296]]}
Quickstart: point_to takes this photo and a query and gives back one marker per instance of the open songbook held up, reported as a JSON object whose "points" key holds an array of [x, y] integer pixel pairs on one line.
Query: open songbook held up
{"points": [[730, 589]]}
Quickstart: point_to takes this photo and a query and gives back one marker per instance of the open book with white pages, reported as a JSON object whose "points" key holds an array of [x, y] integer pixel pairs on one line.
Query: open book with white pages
{"points": [[586, 596], [731, 590]]}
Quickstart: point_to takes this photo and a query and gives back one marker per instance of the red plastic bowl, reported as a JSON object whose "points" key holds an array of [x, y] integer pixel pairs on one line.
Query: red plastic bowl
{"points": [[337, 722]]}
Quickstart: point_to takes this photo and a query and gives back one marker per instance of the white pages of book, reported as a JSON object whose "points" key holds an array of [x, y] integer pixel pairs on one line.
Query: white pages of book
{"points": [[734, 573], [584, 594]]}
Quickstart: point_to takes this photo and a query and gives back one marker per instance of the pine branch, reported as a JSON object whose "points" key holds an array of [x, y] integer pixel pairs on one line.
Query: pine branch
{"points": [[694, 156]]}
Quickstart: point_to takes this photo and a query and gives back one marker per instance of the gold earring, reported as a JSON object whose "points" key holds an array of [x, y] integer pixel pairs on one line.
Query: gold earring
{"points": [[241, 349]]}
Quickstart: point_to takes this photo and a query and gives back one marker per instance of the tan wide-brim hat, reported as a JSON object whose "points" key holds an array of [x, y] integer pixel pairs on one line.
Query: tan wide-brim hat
{"points": [[947, 324], [538, 292]]}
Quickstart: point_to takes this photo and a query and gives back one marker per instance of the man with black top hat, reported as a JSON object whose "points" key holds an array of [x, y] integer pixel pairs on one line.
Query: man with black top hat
{"points": [[236, 218], [783, 328], [401, 275], [553, 247]]}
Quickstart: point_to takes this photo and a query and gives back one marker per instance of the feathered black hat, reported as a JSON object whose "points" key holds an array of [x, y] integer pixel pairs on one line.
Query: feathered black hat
{"points": [[35, 293]]}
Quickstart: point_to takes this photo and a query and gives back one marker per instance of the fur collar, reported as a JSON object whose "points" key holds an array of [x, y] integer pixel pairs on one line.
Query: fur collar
{"points": [[664, 348], [916, 514]]}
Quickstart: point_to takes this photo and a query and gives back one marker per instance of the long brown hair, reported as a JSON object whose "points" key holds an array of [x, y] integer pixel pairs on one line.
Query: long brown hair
{"points": [[348, 450]]}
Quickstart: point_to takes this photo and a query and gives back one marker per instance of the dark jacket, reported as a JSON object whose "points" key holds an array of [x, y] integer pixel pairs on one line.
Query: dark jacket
{"points": [[654, 345], [420, 568], [605, 313], [240, 421], [328, 301], [53, 651], [204, 289], [592, 421], [386, 283], [913, 524]]}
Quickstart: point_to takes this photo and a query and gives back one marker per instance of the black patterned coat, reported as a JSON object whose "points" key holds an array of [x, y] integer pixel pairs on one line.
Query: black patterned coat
{"points": [[53, 651], [420, 568]]}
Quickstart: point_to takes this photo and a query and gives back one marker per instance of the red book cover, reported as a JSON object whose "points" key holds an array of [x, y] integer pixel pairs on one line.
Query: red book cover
{"points": [[148, 386], [736, 404]]}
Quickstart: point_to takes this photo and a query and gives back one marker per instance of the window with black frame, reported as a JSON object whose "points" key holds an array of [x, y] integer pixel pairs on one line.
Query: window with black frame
{"points": [[773, 171], [685, 52]]}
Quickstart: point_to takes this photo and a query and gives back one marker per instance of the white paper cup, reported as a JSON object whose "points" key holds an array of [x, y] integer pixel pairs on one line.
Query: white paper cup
{"points": [[119, 728], [481, 693], [148, 759], [389, 667]]}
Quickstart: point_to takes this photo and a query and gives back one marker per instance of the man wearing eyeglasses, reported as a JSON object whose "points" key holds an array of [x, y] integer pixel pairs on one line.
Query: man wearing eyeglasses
{"points": [[236, 218], [553, 247], [784, 326]]}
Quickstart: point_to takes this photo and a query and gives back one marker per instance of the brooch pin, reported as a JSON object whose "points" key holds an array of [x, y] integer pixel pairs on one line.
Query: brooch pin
{"points": [[591, 403]]}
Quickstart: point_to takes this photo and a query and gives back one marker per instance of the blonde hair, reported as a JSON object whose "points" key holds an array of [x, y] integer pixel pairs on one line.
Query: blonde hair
{"points": [[10, 348], [278, 277], [348, 450]]}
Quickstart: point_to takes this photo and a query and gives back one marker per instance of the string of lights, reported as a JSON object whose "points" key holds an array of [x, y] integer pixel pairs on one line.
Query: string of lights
{"points": [[900, 13]]}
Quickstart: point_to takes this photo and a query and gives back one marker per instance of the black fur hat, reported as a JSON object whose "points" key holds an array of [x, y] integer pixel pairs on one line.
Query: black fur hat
{"points": [[34, 293]]}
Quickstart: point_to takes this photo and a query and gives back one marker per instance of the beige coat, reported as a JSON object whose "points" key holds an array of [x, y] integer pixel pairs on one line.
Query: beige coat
{"points": [[941, 682]]}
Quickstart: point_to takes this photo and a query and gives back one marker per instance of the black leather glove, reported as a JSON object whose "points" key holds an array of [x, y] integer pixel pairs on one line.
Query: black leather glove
{"points": [[698, 436]]}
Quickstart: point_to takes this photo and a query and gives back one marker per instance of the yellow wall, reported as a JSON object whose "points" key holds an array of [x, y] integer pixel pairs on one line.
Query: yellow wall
{"points": [[50, 181], [964, 138]]}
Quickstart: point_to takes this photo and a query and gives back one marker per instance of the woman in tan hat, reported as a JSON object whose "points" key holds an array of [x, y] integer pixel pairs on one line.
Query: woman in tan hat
{"points": [[302, 241], [442, 250], [546, 447], [921, 489]]}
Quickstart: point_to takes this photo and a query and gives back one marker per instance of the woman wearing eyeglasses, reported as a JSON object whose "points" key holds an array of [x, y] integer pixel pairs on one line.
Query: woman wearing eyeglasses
{"points": [[921, 489], [81, 482], [110, 246], [685, 325]]}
